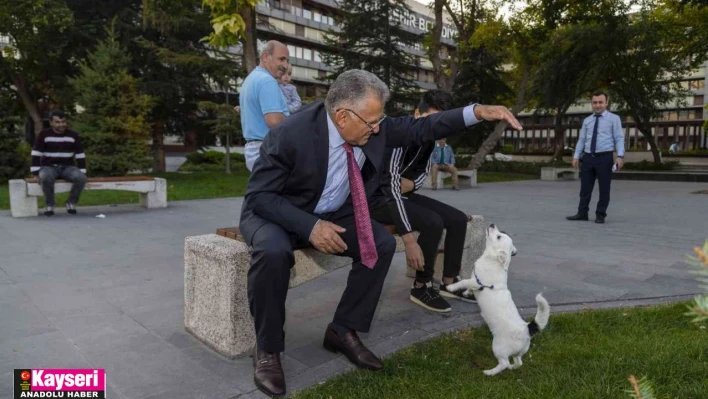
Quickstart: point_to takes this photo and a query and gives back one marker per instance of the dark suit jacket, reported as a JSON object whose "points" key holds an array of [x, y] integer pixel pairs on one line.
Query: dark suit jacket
{"points": [[289, 176]]}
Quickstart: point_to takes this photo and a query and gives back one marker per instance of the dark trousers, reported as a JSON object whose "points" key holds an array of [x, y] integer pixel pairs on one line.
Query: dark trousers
{"points": [[268, 277], [429, 217], [48, 176], [598, 167]]}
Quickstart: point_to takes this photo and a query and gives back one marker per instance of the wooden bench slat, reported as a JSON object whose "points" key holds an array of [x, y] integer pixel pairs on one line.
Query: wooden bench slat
{"points": [[108, 179]]}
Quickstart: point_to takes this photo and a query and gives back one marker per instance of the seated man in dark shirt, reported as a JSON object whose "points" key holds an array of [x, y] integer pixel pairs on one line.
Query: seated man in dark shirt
{"points": [[53, 158], [410, 211]]}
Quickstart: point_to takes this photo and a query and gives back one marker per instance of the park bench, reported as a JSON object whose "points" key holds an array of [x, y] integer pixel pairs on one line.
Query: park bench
{"points": [[215, 282], [559, 174], [465, 178], [24, 192]]}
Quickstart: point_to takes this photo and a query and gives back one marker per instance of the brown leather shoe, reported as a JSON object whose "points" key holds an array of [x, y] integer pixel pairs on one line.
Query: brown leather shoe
{"points": [[268, 373], [352, 347]]}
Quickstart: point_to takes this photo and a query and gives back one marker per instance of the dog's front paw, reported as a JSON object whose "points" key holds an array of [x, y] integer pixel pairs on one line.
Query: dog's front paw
{"points": [[489, 372]]}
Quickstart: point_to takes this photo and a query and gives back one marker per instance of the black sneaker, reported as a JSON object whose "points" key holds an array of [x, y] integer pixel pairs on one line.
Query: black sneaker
{"points": [[459, 294], [429, 298], [70, 208], [49, 211]]}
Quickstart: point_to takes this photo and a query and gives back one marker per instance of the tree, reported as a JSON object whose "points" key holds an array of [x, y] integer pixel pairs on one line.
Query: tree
{"points": [[234, 21], [516, 43], [466, 15], [659, 47], [224, 122], [372, 38], [38, 60], [113, 125], [177, 67]]}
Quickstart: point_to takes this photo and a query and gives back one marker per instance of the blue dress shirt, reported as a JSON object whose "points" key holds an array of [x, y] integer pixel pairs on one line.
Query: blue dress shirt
{"points": [[610, 135], [336, 188]]}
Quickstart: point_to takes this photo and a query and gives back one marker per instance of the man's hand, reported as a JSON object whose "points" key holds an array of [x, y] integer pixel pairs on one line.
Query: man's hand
{"points": [[620, 163], [325, 238], [406, 185], [237, 109], [414, 255], [496, 113], [576, 162]]}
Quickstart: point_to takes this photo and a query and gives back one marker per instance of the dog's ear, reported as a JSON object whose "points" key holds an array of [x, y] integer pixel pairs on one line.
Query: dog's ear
{"points": [[503, 258]]}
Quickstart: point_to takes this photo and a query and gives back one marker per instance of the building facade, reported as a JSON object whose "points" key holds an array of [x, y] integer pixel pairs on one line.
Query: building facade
{"points": [[680, 123], [303, 24]]}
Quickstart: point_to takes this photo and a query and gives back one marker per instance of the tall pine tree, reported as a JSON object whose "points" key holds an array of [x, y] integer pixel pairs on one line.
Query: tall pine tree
{"points": [[372, 38], [113, 125]]}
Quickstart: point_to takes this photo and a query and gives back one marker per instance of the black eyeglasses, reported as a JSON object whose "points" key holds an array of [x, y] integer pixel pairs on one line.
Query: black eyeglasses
{"points": [[369, 125]]}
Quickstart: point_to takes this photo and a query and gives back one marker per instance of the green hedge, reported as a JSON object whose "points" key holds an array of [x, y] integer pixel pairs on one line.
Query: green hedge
{"points": [[212, 161], [650, 166]]}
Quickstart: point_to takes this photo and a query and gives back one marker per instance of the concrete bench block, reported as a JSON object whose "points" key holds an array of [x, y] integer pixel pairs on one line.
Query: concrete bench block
{"points": [[560, 174], [24, 193], [465, 178], [216, 285], [215, 294], [157, 198], [21, 204]]}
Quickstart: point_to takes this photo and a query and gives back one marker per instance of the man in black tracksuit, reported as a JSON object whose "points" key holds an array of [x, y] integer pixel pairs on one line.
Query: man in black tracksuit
{"points": [[410, 211]]}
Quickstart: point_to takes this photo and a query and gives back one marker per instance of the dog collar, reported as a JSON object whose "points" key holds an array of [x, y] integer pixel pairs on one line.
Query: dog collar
{"points": [[479, 282]]}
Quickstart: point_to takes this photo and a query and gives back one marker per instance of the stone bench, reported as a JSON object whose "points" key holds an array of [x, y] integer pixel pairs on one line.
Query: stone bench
{"points": [[560, 174], [24, 192], [465, 178], [215, 283]]}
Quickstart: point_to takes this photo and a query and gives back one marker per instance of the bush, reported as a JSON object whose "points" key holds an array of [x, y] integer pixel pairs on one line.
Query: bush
{"points": [[212, 161], [527, 168], [14, 157], [651, 166]]}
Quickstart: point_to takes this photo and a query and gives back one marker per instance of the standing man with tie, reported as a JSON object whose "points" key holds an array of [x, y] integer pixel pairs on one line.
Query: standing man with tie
{"points": [[299, 195], [600, 135]]}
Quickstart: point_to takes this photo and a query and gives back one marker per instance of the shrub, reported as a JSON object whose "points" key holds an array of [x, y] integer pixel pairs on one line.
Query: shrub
{"points": [[650, 166], [212, 161], [14, 157]]}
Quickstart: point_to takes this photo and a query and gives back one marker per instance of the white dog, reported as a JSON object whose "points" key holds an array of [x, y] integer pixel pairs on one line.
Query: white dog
{"points": [[512, 335]]}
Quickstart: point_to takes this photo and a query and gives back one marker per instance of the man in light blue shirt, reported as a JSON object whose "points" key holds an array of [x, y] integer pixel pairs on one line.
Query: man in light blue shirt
{"points": [[261, 100], [600, 135]]}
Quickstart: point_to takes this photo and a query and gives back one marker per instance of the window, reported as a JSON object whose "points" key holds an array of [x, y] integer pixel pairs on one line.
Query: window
{"points": [[331, 21], [307, 54], [698, 100], [318, 17], [298, 52], [316, 56], [306, 13], [296, 11], [291, 50]]}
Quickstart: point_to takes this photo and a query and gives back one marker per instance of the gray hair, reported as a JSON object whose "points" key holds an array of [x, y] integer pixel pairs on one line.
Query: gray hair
{"points": [[352, 87], [268, 48]]}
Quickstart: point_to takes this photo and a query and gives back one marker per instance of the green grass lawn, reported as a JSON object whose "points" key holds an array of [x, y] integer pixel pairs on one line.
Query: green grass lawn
{"points": [[180, 186], [582, 355], [201, 185]]}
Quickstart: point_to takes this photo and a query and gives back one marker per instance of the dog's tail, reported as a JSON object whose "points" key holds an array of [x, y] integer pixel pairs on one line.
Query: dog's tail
{"points": [[541, 320]]}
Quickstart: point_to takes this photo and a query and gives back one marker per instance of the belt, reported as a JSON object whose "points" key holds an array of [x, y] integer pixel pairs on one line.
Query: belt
{"points": [[597, 154], [252, 141]]}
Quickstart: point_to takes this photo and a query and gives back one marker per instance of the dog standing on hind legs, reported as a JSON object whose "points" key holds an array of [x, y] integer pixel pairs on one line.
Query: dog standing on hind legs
{"points": [[512, 335]]}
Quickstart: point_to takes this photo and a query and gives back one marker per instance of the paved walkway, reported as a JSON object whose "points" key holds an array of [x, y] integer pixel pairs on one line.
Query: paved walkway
{"points": [[79, 292]]}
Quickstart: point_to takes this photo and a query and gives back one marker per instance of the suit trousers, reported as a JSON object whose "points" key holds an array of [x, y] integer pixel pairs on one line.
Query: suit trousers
{"points": [[268, 277], [598, 167], [429, 217]]}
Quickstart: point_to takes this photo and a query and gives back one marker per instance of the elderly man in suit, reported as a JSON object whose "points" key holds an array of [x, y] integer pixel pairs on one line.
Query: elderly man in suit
{"points": [[316, 178]]}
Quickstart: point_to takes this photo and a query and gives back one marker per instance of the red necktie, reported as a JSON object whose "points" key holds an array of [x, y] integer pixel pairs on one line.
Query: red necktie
{"points": [[364, 233]]}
